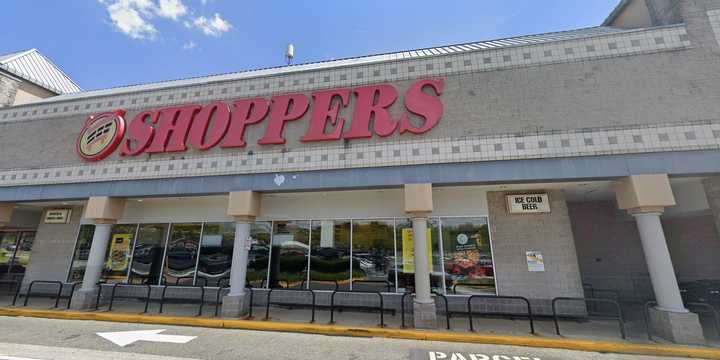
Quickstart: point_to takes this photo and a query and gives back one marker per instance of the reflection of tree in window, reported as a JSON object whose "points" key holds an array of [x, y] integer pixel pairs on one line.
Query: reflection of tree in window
{"points": [[81, 253], [373, 253], [330, 254], [290, 245], [181, 254], [259, 253], [216, 249], [148, 253]]}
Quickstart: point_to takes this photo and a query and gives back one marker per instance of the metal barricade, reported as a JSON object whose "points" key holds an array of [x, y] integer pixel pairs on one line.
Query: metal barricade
{"points": [[619, 318], [15, 289], [49, 282], [74, 286], [112, 294], [201, 302], [710, 310], [381, 308], [402, 308], [220, 289], [388, 285], [493, 297], [267, 305], [447, 308]]}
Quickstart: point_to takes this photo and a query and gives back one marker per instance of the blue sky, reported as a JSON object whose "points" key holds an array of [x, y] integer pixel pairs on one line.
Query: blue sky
{"points": [[109, 43]]}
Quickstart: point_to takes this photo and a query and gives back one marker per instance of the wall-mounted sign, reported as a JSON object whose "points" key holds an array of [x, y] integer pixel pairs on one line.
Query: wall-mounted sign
{"points": [[528, 203], [57, 216], [535, 261], [223, 124]]}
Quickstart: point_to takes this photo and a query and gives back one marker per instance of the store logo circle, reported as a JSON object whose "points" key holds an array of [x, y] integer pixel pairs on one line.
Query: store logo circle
{"points": [[101, 135], [462, 239]]}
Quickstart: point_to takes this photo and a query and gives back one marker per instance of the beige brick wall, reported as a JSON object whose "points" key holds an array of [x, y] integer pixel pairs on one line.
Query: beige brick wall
{"points": [[610, 253], [52, 250], [551, 234]]}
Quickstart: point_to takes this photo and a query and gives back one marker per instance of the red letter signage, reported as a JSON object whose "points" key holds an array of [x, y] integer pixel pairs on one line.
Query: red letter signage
{"points": [[218, 123]]}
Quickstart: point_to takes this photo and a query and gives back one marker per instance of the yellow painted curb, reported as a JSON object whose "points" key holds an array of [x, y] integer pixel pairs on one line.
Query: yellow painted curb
{"points": [[567, 344]]}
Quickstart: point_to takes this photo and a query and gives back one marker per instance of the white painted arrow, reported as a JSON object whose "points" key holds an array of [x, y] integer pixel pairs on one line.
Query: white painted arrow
{"points": [[122, 338]]}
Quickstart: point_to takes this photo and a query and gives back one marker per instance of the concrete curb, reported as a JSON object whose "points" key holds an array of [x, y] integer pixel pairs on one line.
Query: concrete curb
{"points": [[567, 344]]}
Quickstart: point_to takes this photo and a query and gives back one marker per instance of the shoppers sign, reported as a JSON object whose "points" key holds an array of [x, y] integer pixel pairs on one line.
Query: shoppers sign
{"points": [[224, 124], [528, 203]]}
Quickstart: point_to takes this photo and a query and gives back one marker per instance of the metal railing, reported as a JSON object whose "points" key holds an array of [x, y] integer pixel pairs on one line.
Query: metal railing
{"points": [[113, 296], [529, 313], [15, 290], [267, 304], [47, 282], [201, 301], [220, 288], [618, 310], [710, 310], [381, 308]]}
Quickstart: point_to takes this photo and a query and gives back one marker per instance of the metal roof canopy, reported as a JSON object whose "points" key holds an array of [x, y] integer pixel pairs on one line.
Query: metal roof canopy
{"points": [[33, 66]]}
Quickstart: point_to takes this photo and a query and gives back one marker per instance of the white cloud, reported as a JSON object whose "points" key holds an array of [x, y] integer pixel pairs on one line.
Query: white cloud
{"points": [[189, 45], [134, 17], [171, 9], [129, 16], [214, 26]]}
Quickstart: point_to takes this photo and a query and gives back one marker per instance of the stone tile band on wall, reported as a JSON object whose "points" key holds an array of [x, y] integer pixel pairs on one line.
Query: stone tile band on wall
{"points": [[714, 16], [582, 168], [628, 43], [683, 136]]}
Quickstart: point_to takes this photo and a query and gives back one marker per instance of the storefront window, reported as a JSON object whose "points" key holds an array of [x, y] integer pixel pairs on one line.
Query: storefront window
{"points": [[117, 263], [216, 250], [288, 258], [405, 256], [182, 254], [82, 250], [8, 244], [373, 254], [330, 255], [468, 258], [22, 254], [259, 254], [148, 254]]}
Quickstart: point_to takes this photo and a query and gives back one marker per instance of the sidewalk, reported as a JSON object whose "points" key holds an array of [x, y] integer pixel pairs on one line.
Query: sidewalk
{"points": [[591, 335]]}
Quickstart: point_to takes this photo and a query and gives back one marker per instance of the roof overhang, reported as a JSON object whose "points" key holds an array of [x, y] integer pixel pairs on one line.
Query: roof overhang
{"points": [[616, 12]]}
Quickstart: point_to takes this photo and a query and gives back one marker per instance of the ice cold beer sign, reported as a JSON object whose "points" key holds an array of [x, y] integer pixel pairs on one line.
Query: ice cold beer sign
{"points": [[528, 203], [223, 123]]}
